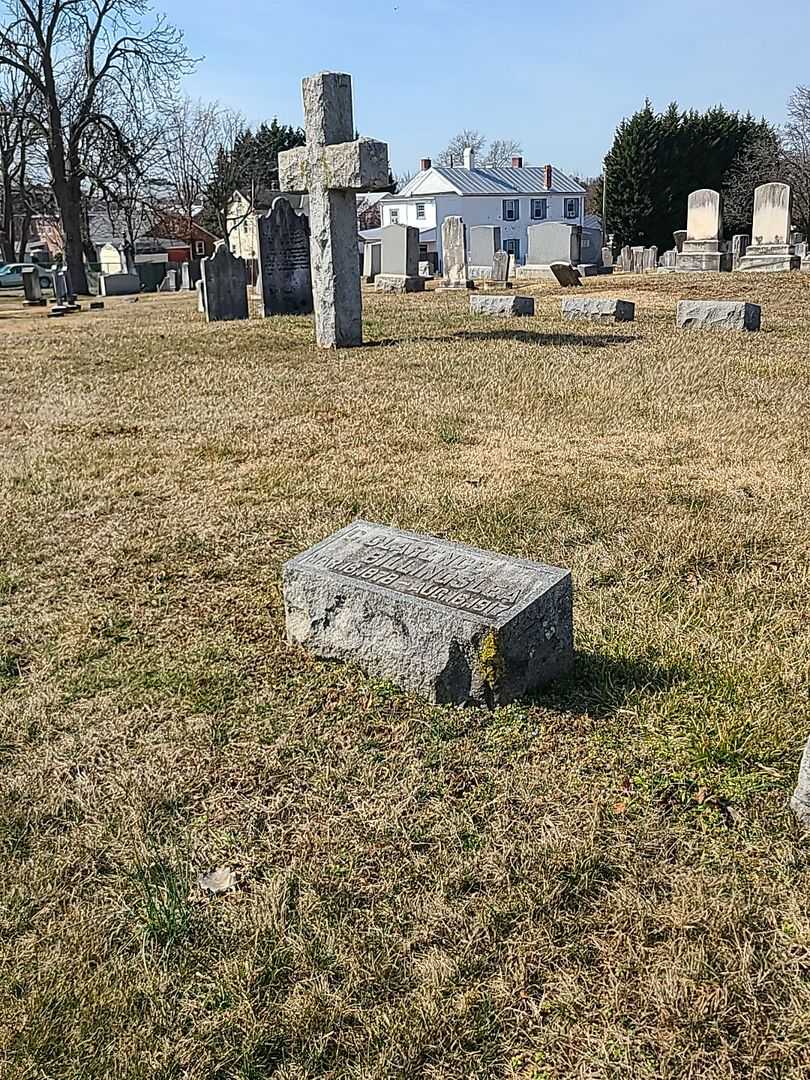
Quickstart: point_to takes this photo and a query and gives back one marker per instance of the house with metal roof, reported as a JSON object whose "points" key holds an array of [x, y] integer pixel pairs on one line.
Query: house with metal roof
{"points": [[510, 198]]}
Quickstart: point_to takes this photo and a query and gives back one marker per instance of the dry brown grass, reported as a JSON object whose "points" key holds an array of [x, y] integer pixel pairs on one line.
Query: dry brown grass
{"points": [[605, 882]]}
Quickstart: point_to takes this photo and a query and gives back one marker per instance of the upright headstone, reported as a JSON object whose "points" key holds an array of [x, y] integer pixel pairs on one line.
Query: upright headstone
{"points": [[169, 283], [454, 255], [185, 277], [200, 287], [650, 260], [501, 267], [372, 261], [801, 797], [32, 287], [607, 257], [399, 271], [638, 259], [770, 249], [333, 169], [111, 261], [485, 241], [450, 622], [284, 261], [679, 236], [554, 241], [704, 232], [627, 259], [225, 278], [119, 284]]}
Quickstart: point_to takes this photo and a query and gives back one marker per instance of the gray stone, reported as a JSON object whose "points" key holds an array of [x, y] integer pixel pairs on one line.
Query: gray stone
{"points": [[225, 277], [372, 261], [669, 259], [801, 249], [598, 309], [119, 284], [679, 236], [454, 255], [32, 287], [607, 256], [801, 797], [518, 306], [425, 269], [485, 242], [718, 315], [638, 259], [501, 266], [200, 287], [770, 250], [185, 277], [557, 273], [588, 269], [739, 244], [805, 267], [333, 169], [96, 305], [650, 259], [169, 283], [400, 250], [701, 250], [284, 261], [627, 259], [399, 283], [452, 623], [554, 241], [590, 246]]}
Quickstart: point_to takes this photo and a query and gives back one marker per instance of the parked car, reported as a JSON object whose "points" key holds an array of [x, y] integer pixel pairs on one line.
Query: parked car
{"points": [[11, 275]]}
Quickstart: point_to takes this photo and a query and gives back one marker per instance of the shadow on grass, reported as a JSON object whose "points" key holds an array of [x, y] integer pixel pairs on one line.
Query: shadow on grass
{"points": [[600, 685], [534, 337]]}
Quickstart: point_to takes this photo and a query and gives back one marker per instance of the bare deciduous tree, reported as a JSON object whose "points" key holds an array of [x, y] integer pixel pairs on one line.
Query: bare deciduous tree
{"points": [[496, 155], [81, 58], [796, 148], [20, 141]]}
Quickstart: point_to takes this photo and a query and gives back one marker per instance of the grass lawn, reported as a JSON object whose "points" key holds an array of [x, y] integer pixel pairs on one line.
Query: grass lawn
{"points": [[603, 882]]}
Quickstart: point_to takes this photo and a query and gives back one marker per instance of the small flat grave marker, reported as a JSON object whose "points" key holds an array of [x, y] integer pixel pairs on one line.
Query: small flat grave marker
{"points": [[453, 623]]}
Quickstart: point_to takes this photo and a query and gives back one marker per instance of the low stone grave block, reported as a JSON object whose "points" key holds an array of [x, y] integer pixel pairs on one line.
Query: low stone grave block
{"points": [[718, 315], [502, 305], [399, 283], [801, 797], [119, 284], [449, 622], [598, 309]]}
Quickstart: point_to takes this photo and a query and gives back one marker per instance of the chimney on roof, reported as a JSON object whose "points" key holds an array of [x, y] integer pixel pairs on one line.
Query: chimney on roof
{"points": [[517, 162], [549, 178], [469, 158], [425, 164]]}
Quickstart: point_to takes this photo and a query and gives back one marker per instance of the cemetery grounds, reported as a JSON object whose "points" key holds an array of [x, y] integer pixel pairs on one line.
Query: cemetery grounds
{"points": [[603, 882]]}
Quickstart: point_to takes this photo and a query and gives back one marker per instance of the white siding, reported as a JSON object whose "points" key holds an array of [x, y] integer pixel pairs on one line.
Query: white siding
{"points": [[407, 212]]}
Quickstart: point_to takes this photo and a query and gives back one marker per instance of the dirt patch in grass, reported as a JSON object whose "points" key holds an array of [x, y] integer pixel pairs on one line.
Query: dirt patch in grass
{"points": [[602, 882]]}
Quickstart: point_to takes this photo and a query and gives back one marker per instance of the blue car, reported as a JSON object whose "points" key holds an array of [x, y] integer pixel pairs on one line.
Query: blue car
{"points": [[11, 275]]}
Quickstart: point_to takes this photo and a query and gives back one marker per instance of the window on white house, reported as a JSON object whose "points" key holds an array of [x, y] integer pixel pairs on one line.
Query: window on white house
{"points": [[512, 247], [395, 217], [539, 209], [572, 208], [420, 211], [199, 247], [511, 209]]}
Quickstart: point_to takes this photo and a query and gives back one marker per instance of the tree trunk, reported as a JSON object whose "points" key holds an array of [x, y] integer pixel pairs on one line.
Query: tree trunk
{"points": [[25, 232], [68, 198]]}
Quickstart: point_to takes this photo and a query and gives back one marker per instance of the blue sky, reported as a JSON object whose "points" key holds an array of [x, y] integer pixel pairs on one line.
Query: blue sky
{"points": [[556, 77]]}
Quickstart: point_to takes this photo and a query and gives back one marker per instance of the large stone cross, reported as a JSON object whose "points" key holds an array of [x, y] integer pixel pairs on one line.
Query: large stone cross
{"points": [[333, 168]]}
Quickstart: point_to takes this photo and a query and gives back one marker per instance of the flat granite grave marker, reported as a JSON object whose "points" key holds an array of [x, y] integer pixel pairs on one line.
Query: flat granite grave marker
{"points": [[598, 309], [284, 261], [801, 797], [450, 622], [225, 277], [334, 168], [718, 315], [518, 306]]}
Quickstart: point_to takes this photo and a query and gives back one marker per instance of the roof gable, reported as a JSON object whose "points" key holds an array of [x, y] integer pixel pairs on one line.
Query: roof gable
{"points": [[530, 180]]}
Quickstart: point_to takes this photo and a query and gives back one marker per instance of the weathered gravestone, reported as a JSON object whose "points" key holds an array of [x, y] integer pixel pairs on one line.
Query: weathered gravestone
{"points": [[554, 241], [169, 283], [284, 261], [450, 622], [501, 267], [110, 258], [519, 306], [225, 277], [679, 236], [334, 169], [372, 261], [32, 287], [200, 287], [770, 249], [598, 309], [185, 277], [627, 259], [485, 241], [119, 284], [717, 315], [704, 231], [801, 797], [399, 271], [454, 255], [638, 259], [425, 269], [669, 260], [650, 260], [607, 257]]}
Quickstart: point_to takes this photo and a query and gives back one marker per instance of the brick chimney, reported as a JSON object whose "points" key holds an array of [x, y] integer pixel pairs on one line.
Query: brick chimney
{"points": [[469, 158], [549, 180], [425, 164], [517, 162]]}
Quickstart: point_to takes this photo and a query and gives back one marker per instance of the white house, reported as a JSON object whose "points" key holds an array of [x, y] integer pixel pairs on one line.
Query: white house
{"points": [[511, 198]]}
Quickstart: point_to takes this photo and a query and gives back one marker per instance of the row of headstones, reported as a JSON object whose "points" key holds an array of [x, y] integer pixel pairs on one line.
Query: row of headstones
{"points": [[65, 301]]}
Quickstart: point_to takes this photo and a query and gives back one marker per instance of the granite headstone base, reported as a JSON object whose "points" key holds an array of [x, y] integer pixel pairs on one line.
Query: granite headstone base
{"points": [[452, 623], [718, 315], [598, 309], [398, 283], [518, 306]]}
